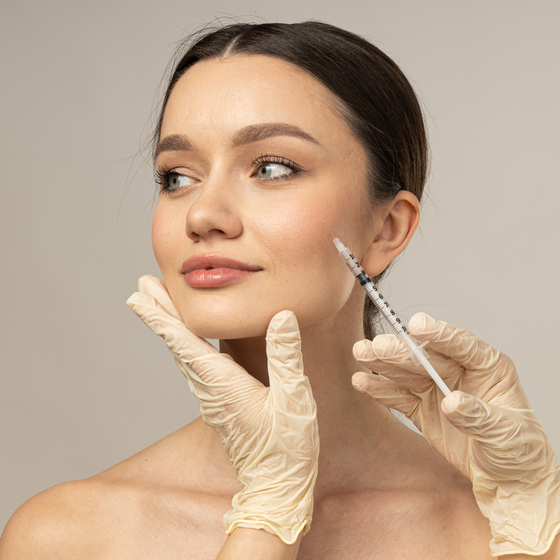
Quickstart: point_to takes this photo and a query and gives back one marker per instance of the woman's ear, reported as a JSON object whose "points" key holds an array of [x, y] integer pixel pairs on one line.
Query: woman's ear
{"points": [[395, 225]]}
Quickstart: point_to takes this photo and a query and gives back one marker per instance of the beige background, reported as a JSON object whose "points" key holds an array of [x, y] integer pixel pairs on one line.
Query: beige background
{"points": [[84, 383]]}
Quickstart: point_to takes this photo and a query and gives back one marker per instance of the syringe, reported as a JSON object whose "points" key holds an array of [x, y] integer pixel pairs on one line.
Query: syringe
{"points": [[417, 353]]}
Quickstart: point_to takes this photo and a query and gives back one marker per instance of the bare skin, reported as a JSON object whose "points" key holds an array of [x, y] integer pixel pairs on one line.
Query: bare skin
{"points": [[168, 501], [382, 492]]}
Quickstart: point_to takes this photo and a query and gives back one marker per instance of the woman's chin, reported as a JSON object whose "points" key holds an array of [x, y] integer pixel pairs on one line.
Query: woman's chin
{"points": [[222, 330]]}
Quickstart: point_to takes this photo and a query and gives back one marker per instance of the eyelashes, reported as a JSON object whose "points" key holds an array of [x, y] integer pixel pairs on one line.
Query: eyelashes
{"points": [[266, 159], [170, 180]]}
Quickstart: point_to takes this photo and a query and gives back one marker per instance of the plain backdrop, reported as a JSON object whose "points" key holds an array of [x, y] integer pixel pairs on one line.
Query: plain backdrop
{"points": [[84, 383]]}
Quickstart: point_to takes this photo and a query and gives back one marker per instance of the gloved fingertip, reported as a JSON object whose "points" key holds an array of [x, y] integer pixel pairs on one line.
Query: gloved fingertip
{"points": [[452, 402], [283, 324], [145, 281], [422, 322], [360, 382], [154, 287], [463, 409], [384, 345], [362, 350]]}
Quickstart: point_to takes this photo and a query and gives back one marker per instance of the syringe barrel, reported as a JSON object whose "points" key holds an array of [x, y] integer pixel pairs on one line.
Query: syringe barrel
{"points": [[417, 353], [384, 307], [350, 260], [370, 288]]}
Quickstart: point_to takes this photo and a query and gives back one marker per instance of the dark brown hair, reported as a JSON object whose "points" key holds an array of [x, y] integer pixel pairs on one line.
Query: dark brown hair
{"points": [[377, 101]]}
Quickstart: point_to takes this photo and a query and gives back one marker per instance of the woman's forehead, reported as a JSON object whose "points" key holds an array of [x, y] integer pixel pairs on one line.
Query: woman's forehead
{"points": [[242, 89]]}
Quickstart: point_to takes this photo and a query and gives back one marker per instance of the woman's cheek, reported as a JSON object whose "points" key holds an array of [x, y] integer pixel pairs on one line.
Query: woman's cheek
{"points": [[165, 242], [159, 247], [308, 276]]}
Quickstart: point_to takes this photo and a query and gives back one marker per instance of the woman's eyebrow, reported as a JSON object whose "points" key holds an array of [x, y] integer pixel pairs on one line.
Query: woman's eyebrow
{"points": [[256, 132], [173, 143], [248, 134]]}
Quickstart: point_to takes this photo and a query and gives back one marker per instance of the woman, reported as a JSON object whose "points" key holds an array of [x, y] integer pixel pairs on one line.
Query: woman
{"points": [[266, 132]]}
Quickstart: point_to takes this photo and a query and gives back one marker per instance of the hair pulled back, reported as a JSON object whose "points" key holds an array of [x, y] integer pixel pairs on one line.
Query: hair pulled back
{"points": [[376, 100]]}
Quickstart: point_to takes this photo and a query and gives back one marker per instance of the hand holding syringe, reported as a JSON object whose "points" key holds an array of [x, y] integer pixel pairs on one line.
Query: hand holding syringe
{"points": [[485, 428], [417, 353]]}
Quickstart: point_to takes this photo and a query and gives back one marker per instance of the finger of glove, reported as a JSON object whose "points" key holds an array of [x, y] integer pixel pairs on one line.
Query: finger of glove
{"points": [[180, 341], [363, 352], [215, 379], [387, 392], [387, 355], [468, 350], [184, 345], [153, 286], [289, 386]]}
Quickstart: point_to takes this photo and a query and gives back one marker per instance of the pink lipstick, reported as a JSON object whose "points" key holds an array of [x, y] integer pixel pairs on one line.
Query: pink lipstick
{"points": [[213, 270]]}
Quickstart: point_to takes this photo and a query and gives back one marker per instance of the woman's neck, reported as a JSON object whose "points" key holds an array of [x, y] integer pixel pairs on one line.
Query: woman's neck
{"points": [[357, 435]]}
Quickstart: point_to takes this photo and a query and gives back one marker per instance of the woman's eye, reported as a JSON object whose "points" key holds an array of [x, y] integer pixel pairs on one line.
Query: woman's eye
{"points": [[271, 170], [176, 181]]}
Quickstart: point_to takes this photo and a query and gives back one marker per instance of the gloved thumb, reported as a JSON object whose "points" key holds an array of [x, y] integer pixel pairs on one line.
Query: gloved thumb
{"points": [[497, 427], [285, 365], [510, 443]]}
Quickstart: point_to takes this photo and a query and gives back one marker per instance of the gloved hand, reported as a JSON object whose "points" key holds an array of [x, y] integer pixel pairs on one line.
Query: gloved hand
{"points": [[485, 428], [269, 433]]}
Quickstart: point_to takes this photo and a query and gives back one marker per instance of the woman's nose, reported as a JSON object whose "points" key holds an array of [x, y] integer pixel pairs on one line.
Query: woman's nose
{"points": [[214, 213]]}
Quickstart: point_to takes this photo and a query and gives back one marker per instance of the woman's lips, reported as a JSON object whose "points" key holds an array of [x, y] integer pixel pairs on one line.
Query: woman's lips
{"points": [[215, 277], [212, 270]]}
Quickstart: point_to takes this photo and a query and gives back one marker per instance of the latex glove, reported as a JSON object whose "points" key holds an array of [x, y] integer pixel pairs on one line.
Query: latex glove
{"points": [[269, 433], [486, 428]]}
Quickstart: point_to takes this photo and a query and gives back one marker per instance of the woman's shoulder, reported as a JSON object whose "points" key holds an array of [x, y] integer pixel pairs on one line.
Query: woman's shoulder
{"points": [[59, 522], [175, 484]]}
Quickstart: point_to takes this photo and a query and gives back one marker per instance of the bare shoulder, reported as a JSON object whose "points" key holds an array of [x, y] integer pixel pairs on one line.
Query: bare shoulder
{"points": [[57, 523], [175, 485]]}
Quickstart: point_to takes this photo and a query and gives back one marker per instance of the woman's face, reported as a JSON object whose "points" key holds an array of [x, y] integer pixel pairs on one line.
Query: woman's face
{"points": [[256, 159]]}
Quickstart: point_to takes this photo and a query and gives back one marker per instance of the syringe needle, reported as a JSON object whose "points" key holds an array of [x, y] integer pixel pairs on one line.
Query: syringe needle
{"points": [[329, 230]]}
